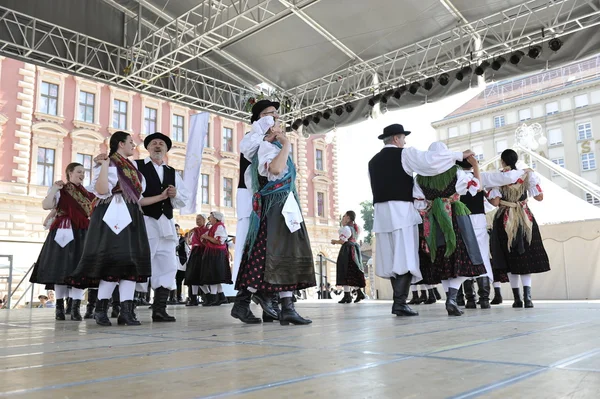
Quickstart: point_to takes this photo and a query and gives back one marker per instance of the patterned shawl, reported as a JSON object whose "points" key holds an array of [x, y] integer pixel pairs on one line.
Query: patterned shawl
{"points": [[74, 207], [130, 179], [517, 215]]}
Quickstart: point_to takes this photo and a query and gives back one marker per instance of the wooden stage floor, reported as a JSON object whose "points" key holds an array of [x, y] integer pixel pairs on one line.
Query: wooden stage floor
{"points": [[350, 351]]}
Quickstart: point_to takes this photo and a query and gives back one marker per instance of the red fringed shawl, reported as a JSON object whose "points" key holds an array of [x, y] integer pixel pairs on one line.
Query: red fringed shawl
{"points": [[74, 208]]}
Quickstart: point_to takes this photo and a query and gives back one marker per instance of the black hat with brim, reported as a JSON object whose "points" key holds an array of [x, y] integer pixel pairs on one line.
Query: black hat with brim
{"points": [[393, 130], [259, 107], [159, 136], [464, 164]]}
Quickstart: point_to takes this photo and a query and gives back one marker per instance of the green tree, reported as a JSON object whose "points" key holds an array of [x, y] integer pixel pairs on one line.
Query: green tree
{"points": [[366, 212]]}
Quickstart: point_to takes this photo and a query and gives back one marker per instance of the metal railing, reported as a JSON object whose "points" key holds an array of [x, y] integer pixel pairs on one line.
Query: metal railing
{"points": [[9, 279], [8, 266]]}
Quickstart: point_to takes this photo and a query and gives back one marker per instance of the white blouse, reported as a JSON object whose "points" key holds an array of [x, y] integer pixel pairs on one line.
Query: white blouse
{"points": [[113, 179], [266, 153], [221, 234], [533, 186], [345, 233], [466, 183]]}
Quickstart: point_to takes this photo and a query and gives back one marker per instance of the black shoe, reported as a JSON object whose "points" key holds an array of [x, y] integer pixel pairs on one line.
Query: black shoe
{"points": [[401, 286], [497, 296], [127, 315], [460, 297], [275, 304], [220, 299], [359, 296], [69, 306], [483, 289], [101, 315], [289, 315], [265, 303], [75, 310], [193, 301], [59, 312], [430, 297], [527, 297], [437, 294], [415, 298], [209, 299], [469, 293], [451, 305], [159, 308], [347, 298], [241, 308], [517, 295]]}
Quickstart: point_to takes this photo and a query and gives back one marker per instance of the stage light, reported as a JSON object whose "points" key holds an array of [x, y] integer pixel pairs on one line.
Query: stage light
{"points": [[317, 117], [498, 62], [306, 121], [385, 97], [327, 114], [463, 73], [444, 79], [339, 110], [534, 52], [480, 70], [414, 86], [555, 44], [516, 57], [373, 101], [428, 84], [296, 124], [348, 107]]}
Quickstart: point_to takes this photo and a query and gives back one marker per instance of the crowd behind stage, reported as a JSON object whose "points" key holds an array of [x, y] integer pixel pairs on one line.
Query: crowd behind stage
{"points": [[117, 238]]}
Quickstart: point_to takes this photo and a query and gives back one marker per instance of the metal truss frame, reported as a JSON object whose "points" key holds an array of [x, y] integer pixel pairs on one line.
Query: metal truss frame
{"points": [[515, 28]]}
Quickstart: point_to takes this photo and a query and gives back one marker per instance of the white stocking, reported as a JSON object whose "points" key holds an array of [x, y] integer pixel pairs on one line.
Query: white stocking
{"points": [[456, 282], [526, 280], [194, 290], [514, 280], [219, 288], [126, 290], [105, 289], [214, 288], [346, 288], [61, 291], [445, 285], [285, 294], [77, 294], [497, 284]]}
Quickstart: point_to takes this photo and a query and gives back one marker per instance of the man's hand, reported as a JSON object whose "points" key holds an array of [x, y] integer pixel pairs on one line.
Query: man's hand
{"points": [[467, 154], [472, 161], [100, 157], [171, 191]]}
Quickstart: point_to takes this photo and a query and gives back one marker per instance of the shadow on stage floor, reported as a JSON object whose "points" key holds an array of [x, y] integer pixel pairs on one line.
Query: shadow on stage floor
{"points": [[350, 351]]}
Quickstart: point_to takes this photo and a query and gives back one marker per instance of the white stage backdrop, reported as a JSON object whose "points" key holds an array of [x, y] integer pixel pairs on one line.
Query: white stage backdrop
{"points": [[193, 160]]}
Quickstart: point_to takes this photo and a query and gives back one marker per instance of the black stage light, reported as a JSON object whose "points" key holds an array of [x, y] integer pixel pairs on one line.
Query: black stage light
{"points": [[498, 62], [480, 70], [339, 110], [516, 57], [534, 52], [414, 86], [348, 107], [463, 73], [296, 124], [327, 114], [373, 101], [555, 44], [317, 117], [428, 84], [444, 79], [306, 121]]}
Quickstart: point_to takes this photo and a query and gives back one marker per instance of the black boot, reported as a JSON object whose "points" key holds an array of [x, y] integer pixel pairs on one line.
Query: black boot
{"points": [[347, 298], [101, 315], [359, 296], [264, 301], [159, 305], [460, 297], [203, 297], [517, 303], [59, 312], [483, 289], [75, 315], [401, 286], [431, 297], [289, 315], [127, 316], [171, 300], [423, 297], [193, 301], [469, 291], [220, 299], [241, 308], [437, 294], [209, 299], [415, 298], [527, 297], [497, 296], [451, 305], [275, 304], [91, 302], [69, 306], [116, 308]]}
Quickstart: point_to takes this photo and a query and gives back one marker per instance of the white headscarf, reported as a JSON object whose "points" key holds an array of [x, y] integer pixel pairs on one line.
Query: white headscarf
{"points": [[437, 146], [218, 216]]}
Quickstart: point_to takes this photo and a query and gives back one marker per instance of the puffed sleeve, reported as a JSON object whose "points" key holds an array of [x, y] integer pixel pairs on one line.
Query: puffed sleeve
{"points": [[345, 233], [221, 234], [533, 186], [498, 179], [494, 193], [113, 179], [419, 197], [428, 163], [466, 183], [266, 153]]}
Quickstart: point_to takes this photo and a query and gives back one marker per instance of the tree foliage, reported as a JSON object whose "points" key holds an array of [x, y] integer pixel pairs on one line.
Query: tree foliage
{"points": [[366, 212]]}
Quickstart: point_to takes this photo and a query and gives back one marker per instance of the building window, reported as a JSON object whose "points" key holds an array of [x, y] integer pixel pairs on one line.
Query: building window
{"points": [[228, 192], [584, 131], [591, 199], [319, 159], [554, 137], [321, 204], [475, 126], [478, 150], [120, 114], [205, 190], [453, 131], [227, 139], [150, 118], [45, 166], [588, 161], [177, 128], [86, 161], [86, 106], [552, 108], [581, 101], [524, 114], [207, 137], [560, 162], [501, 145], [49, 98], [499, 121]]}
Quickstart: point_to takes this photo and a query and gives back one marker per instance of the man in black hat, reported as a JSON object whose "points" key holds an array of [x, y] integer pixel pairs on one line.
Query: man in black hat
{"points": [[396, 220]]}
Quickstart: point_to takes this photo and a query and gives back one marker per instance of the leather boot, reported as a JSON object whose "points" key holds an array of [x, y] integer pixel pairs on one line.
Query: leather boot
{"points": [[75, 315], [401, 286], [116, 308], [431, 297], [438, 296], [483, 289], [193, 301], [241, 308], [91, 302], [359, 296], [209, 299], [101, 315], [59, 312], [469, 291], [347, 298], [415, 298], [423, 297], [203, 299], [289, 315], [497, 296], [275, 304], [460, 297], [451, 305], [171, 300], [220, 299], [260, 298], [527, 297], [159, 305], [69, 306], [517, 303], [127, 316]]}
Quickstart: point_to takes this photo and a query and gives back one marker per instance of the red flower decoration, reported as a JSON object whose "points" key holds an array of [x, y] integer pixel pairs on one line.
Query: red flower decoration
{"points": [[520, 181], [472, 183]]}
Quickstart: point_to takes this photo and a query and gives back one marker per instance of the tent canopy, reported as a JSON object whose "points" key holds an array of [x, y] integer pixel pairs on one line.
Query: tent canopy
{"points": [[314, 55]]}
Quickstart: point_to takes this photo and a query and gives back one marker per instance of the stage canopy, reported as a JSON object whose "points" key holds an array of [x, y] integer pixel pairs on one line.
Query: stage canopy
{"points": [[319, 57]]}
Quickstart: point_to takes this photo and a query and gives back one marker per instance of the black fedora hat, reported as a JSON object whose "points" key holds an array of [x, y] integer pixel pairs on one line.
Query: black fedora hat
{"points": [[393, 130], [464, 164], [259, 107], [160, 136]]}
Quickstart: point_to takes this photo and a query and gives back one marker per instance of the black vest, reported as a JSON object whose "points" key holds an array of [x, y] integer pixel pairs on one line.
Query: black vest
{"points": [[389, 181], [474, 203], [155, 187], [244, 163]]}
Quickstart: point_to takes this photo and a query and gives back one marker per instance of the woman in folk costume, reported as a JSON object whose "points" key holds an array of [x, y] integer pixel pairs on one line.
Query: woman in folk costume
{"points": [[277, 256], [116, 250], [194, 265], [72, 205], [517, 246], [215, 269], [350, 271], [447, 228]]}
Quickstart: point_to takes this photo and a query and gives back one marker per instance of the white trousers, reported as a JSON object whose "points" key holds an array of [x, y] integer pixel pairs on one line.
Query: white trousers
{"points": [[483, 241], [398, 253], [164, 264], [241, 233]]}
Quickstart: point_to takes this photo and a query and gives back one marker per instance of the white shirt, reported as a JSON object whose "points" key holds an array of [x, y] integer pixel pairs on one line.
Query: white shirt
{"points": [[533, 186], [113, 179], [221, 234], [345, 233], [266, 153]]}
